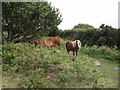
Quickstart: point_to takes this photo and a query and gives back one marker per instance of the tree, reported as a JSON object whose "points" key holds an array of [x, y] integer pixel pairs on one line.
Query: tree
{"points": [[83, 27], [28, 20], [110, 35]]}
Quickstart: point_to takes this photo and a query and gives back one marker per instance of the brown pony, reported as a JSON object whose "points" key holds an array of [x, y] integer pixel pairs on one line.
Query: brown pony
{"points": [[56, 40], [73, 46], [48, 42], [40, 41]]}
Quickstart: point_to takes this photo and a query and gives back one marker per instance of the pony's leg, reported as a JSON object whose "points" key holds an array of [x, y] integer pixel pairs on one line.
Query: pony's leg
{"points": [[73, 53], [49, 47], [76, 53], [68, 52], [35, 44]]}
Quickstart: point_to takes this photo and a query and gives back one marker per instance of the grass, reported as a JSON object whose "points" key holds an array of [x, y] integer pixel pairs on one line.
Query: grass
{"points": [[27, 66]]}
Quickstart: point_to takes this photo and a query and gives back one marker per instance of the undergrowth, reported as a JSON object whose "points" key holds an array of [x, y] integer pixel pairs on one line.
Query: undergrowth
{"points": [[53, 68]]}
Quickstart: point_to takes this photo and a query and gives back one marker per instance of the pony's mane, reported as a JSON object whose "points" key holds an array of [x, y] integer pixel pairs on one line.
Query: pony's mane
{"points": [[78, 43]]}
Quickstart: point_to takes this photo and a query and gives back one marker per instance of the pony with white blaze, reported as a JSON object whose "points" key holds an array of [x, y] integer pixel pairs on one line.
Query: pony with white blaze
{"points": [[73, 46]]}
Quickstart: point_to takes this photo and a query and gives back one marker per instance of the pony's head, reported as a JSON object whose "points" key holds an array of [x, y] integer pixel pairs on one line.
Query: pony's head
{"points": [[78, 43], [57, 40]]}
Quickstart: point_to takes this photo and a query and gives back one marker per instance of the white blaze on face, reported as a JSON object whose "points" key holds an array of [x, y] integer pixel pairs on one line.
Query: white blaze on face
{"points": [[78, 43]]}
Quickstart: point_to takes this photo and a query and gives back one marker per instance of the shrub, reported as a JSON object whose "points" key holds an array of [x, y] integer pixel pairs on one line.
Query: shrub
{"points": [[102, 52], [108, 37], [7, 54]]}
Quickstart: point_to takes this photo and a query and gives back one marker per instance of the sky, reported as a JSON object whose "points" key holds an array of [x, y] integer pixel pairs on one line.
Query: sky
{"points": [[92, 12]]}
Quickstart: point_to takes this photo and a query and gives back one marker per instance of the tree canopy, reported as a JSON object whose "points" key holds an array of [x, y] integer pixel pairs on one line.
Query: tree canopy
{"points": [[83, 27], [25, 20]]}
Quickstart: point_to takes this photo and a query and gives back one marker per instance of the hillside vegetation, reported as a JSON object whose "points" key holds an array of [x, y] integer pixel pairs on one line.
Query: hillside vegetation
{"points": [[27, 66]]}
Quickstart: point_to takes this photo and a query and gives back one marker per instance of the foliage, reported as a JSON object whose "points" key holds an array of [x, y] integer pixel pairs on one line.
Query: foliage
{"points": [[103, 36], [119, 39], [22, 21], [102, 52], [83, 27], [53, 68], [55, 32], [7, 54]]}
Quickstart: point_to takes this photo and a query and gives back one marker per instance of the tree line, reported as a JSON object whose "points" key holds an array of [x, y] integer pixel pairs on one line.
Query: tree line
{"points": [[26, 21], [104, 35]]}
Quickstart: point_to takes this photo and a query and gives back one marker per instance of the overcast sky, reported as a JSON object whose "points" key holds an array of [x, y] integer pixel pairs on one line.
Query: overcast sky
{"points": [[92, 12]]}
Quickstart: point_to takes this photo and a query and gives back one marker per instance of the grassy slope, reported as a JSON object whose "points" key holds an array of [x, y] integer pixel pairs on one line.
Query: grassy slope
{"points": [[43, 67]]}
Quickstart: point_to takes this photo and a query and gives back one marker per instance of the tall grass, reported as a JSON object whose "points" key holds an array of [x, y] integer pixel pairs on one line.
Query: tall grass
{"points": [[53, 68]]}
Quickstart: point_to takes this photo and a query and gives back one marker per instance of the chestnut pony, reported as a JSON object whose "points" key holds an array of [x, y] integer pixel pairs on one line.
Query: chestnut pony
{"points": [[48, 42], [40, 41], [73, 46]]}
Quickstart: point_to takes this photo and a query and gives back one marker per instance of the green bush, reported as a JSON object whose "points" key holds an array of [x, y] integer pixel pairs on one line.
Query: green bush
{"points": [[102, 52], [8, 47], [106, 36], [7, 53]]}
